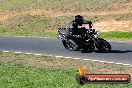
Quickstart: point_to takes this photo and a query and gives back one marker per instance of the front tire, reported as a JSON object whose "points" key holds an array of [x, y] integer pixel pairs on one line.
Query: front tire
{"points": [[104, 46]]}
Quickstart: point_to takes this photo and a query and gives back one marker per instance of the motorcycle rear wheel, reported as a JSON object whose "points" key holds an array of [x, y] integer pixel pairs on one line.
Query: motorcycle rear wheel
{"points": [[72, 46], [64, 44]]}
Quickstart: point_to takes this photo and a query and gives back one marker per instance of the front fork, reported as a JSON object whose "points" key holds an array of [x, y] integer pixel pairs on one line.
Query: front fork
{"points": [[97, 42]]}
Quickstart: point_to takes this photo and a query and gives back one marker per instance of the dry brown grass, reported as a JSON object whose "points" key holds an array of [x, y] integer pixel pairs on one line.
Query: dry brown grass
{"points": [[112, 25], [115, 17], [109, 25], [105, 26], [5, 15]]}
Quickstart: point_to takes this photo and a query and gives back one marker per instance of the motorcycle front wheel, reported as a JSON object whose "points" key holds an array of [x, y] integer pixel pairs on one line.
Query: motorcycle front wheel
{"points": [[104, 46]]}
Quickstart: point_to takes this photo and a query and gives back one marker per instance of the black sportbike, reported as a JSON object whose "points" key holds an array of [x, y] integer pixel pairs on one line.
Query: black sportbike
{"points": [[87, 40]]}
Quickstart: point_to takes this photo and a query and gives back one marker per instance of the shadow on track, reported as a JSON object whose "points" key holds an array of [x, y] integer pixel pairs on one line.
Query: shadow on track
{"points": [[112, 51], [121, 51]]}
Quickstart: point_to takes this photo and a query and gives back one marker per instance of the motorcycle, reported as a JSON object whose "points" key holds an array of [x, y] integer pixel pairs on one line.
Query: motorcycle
{"points": [[87, 40]]}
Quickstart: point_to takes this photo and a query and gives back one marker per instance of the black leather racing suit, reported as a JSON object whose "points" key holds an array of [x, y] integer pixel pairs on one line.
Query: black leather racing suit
{"points": [[73, 26]]}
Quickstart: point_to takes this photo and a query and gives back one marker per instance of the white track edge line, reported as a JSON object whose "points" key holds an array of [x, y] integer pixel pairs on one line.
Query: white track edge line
{"points": [[74, 58], [5, 51], [38, 54], [58, 56], [102, 61], [17, 52], [86, 59], [48, 55], [110, 62], [67, 57], [94, 60], [119, 63], [126, 64], [28, 53]]}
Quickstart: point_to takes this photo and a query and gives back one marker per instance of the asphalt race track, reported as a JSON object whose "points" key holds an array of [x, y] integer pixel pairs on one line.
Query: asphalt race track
{"points": [[121, 51]]}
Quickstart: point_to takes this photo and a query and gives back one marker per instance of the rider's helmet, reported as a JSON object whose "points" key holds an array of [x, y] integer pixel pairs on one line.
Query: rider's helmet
{"points": [[79, 19]]}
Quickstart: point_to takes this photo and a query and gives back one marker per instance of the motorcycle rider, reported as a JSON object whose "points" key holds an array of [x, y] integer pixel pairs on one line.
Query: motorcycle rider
{"points": [[75, 30], [78, 21]]}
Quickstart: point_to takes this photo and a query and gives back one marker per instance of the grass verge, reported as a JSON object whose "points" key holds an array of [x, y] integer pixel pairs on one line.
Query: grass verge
{"points": [[117, 35], [20, 70]]}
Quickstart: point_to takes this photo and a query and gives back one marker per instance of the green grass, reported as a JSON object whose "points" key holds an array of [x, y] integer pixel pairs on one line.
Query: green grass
{"points": [[29, 71], [116, 35], [18, 76]]}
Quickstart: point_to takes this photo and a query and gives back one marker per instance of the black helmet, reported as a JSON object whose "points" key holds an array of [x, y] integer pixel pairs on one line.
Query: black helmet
{"points": [[79, 19]]}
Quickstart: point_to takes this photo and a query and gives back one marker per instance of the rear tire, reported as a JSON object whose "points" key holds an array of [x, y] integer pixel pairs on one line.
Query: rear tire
{"points": [[64, 44], [72, 46]]}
